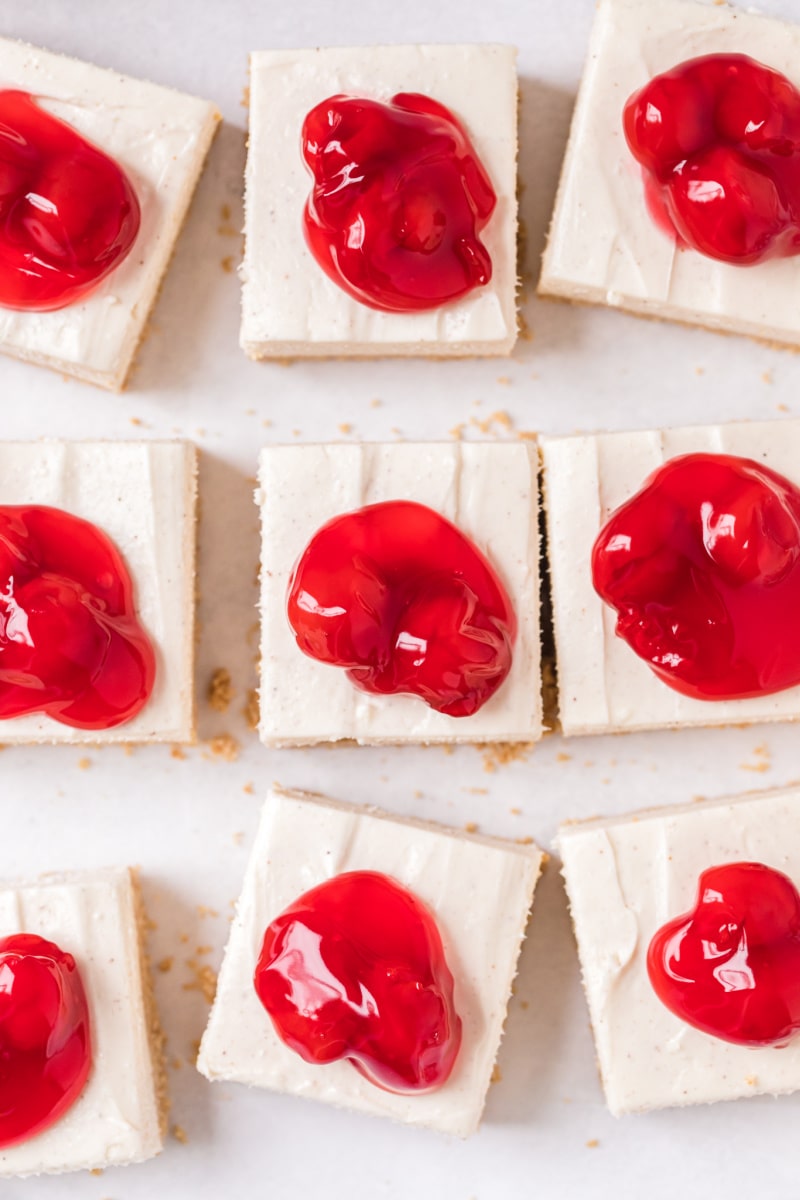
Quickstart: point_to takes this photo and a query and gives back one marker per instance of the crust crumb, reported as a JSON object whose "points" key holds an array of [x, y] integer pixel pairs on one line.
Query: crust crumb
{"points": [[562, 757], [200, 951], [375, 403], [220, 690], [524, 841], [766, 376], [345, 427], [505, 380], [179, 1133], [176, 1063], [84, 763], [751, 1080], [527, 435], [496, 1074], [249, 789], [238, 837], [227, 264], [471, 827], [500, 754], [515, 812], [205, 980], [525, 331], [224, 746], [96, 1171], [457, 431], [177, 752], [245, 100], [592, 1144], [165, 964], [500, 417]]}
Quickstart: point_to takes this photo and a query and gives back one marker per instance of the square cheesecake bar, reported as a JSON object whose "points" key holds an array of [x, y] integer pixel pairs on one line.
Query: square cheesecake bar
{"points": [[626, 877], [604, 687], [120, 1116], [488, 490], [160, 138], [142, 495], [604, 245], [479, 890], [290, 308]]}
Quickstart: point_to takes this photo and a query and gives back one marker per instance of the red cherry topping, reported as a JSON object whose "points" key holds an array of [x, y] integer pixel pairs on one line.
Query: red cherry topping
{"points": [[355, 969], [70, 643], [703, 568], [404, 602], [45, 1047], [68, 212], [731, 967], [399, 199], [719, 141]]}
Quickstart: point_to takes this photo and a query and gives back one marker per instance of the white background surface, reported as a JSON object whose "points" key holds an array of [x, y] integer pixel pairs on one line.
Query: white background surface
{"points": [[583, 369]]}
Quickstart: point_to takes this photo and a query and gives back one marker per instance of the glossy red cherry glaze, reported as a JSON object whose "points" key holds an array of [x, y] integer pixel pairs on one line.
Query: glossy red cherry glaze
{"points": [[404, 602], [355, 969], [731, 966], [70, 643], [45, 1048], [703, 568], [68, 212], [399, 199], [719, 141]]}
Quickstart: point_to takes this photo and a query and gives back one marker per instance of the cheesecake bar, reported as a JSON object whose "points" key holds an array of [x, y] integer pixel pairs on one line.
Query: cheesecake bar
{"points": [[488, 490], [605, 246], [603, 686], [626, 877], [290, 307], [478, 889], [159, 138], [119, 1118], [143, 496]]}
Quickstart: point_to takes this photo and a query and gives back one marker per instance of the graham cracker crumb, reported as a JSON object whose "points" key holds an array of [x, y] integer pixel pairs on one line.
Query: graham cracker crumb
{"points": [[165, 964], [524, 841], [245, 100], [562, 757], [224, 746], [84, 763], [136, 420], [766, 376], [496, 1074], [375, 403], [500, 417], [184, 938], [457, 431], [252, 709], [96, 1171], [699, 370], [592, 1144], [195, 1047], [179, 1133], [156, 1034], [203, 911], [345, 427], [220, 690], [202, 950], [227, 264], [177, 752], [783, 408], [205, 980], [176, 1063], [527, 435], [751, 1080], [525, 331], [471, 827], [515, 812], [500, 754], [505, 380], [249, 789]]}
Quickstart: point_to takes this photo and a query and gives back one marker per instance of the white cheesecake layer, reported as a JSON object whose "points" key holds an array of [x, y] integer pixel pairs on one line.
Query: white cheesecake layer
{"points": [[479, 889], [489, 490], [143, 495], [603, 685], [116, 1120], [626, 878], [160, 138], [604, 247], [289, 305]]}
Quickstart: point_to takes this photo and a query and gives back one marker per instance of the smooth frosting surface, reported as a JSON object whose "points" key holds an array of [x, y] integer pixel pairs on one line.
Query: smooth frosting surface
{"points": [[603, 685], [604, 246], [480, 891], [143, 495], [92, 915], [489, 490], [160, 138], [626, 878], [289, 306]]}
